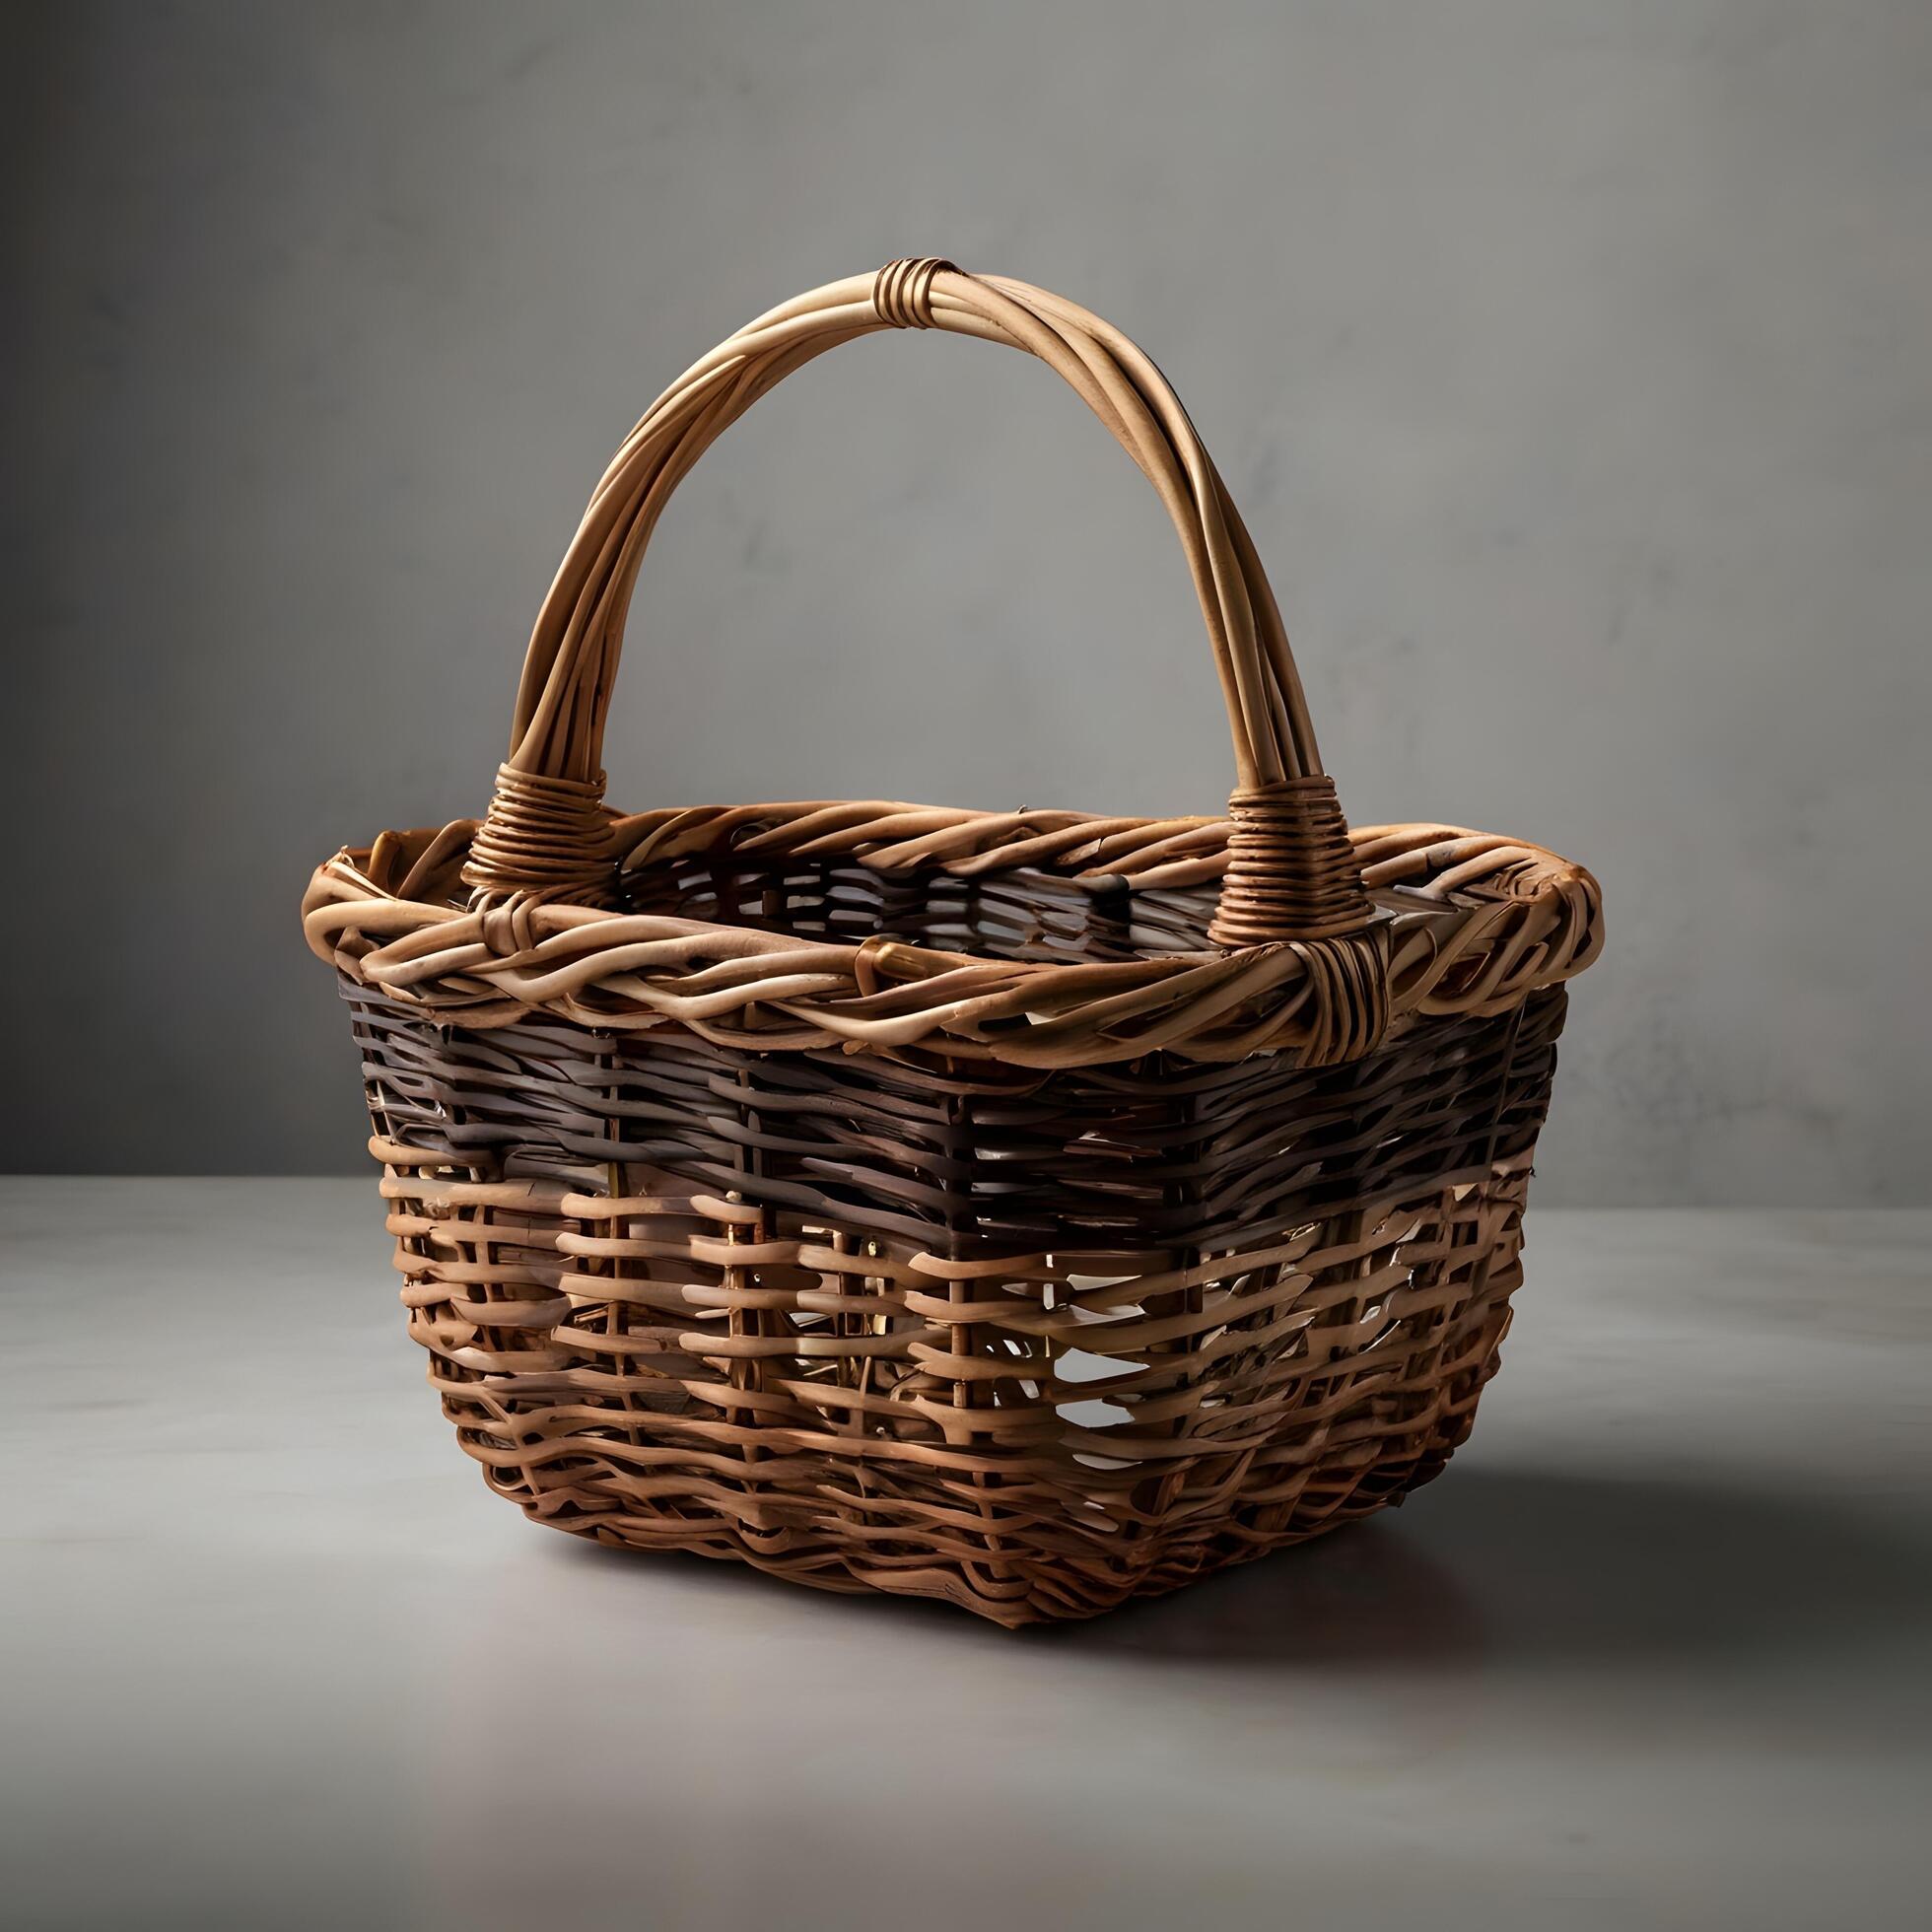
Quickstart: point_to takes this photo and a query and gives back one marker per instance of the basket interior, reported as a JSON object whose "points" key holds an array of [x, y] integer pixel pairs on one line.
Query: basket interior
{"points": [[1025, 913], [1020, 915]]}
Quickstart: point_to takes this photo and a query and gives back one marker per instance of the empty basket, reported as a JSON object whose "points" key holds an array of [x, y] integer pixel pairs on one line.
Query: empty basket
{"points": [[1026, 1208]]}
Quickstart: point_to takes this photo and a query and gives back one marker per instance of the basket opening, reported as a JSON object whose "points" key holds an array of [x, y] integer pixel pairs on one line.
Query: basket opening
{"points": [[1019, 915]]}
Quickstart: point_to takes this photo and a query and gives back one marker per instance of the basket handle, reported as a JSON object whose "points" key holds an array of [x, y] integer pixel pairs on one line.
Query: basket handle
{"points": [[1292, 872]]}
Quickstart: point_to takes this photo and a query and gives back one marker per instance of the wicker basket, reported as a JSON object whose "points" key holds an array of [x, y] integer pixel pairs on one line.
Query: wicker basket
{"points": [[1025, 1209]]}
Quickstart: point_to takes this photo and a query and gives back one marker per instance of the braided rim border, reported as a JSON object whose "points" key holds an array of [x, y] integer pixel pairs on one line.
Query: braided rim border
{"points": [[1468, 923]]}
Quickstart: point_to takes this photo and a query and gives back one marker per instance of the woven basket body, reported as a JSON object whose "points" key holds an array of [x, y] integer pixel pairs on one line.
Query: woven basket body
{"points": [[1029, 1209]]}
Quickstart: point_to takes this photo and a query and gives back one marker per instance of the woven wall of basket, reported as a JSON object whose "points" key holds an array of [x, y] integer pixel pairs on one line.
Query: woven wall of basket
{"points": [[1029, 1209]]}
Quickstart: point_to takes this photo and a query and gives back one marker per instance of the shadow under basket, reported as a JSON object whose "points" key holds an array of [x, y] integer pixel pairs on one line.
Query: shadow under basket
{"points": [[992, 1206]]}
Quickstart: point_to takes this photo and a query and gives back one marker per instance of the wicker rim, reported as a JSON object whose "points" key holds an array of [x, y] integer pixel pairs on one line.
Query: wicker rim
{"points": [[1465, 923], [1291, 874]]}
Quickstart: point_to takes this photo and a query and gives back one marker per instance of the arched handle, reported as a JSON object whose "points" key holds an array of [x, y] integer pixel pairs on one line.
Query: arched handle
{"points": [[1291, 873]]}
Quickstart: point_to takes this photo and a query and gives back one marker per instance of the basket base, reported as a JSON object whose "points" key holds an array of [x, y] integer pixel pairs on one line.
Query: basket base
{"points": [[1182, 1566]]}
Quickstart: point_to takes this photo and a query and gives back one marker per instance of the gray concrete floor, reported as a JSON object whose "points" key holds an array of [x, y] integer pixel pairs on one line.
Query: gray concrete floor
{"points": [[1655, 1652]]}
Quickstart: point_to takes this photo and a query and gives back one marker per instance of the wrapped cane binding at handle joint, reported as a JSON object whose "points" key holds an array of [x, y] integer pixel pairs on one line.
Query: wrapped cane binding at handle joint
{"points": [[544, 838], [1292, 872], [1292, 878]]}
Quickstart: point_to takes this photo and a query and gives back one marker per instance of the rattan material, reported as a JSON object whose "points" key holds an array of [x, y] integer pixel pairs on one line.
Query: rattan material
{"points": [[1030, 1209]]}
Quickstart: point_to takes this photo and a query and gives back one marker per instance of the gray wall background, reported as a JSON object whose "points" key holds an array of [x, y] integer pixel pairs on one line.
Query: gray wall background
{"points": [[1572, 363]]}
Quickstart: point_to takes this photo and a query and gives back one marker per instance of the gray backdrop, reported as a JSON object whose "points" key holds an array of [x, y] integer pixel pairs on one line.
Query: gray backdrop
{"points": [[1572, 363]]}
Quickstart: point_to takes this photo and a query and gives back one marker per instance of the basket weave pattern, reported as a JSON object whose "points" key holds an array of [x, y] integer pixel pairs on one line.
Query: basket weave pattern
{"points": [[1028, 1210]]}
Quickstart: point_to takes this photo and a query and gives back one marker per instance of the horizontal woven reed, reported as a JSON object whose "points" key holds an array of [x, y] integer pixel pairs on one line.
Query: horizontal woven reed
{"points": [[1029, 1209]]}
